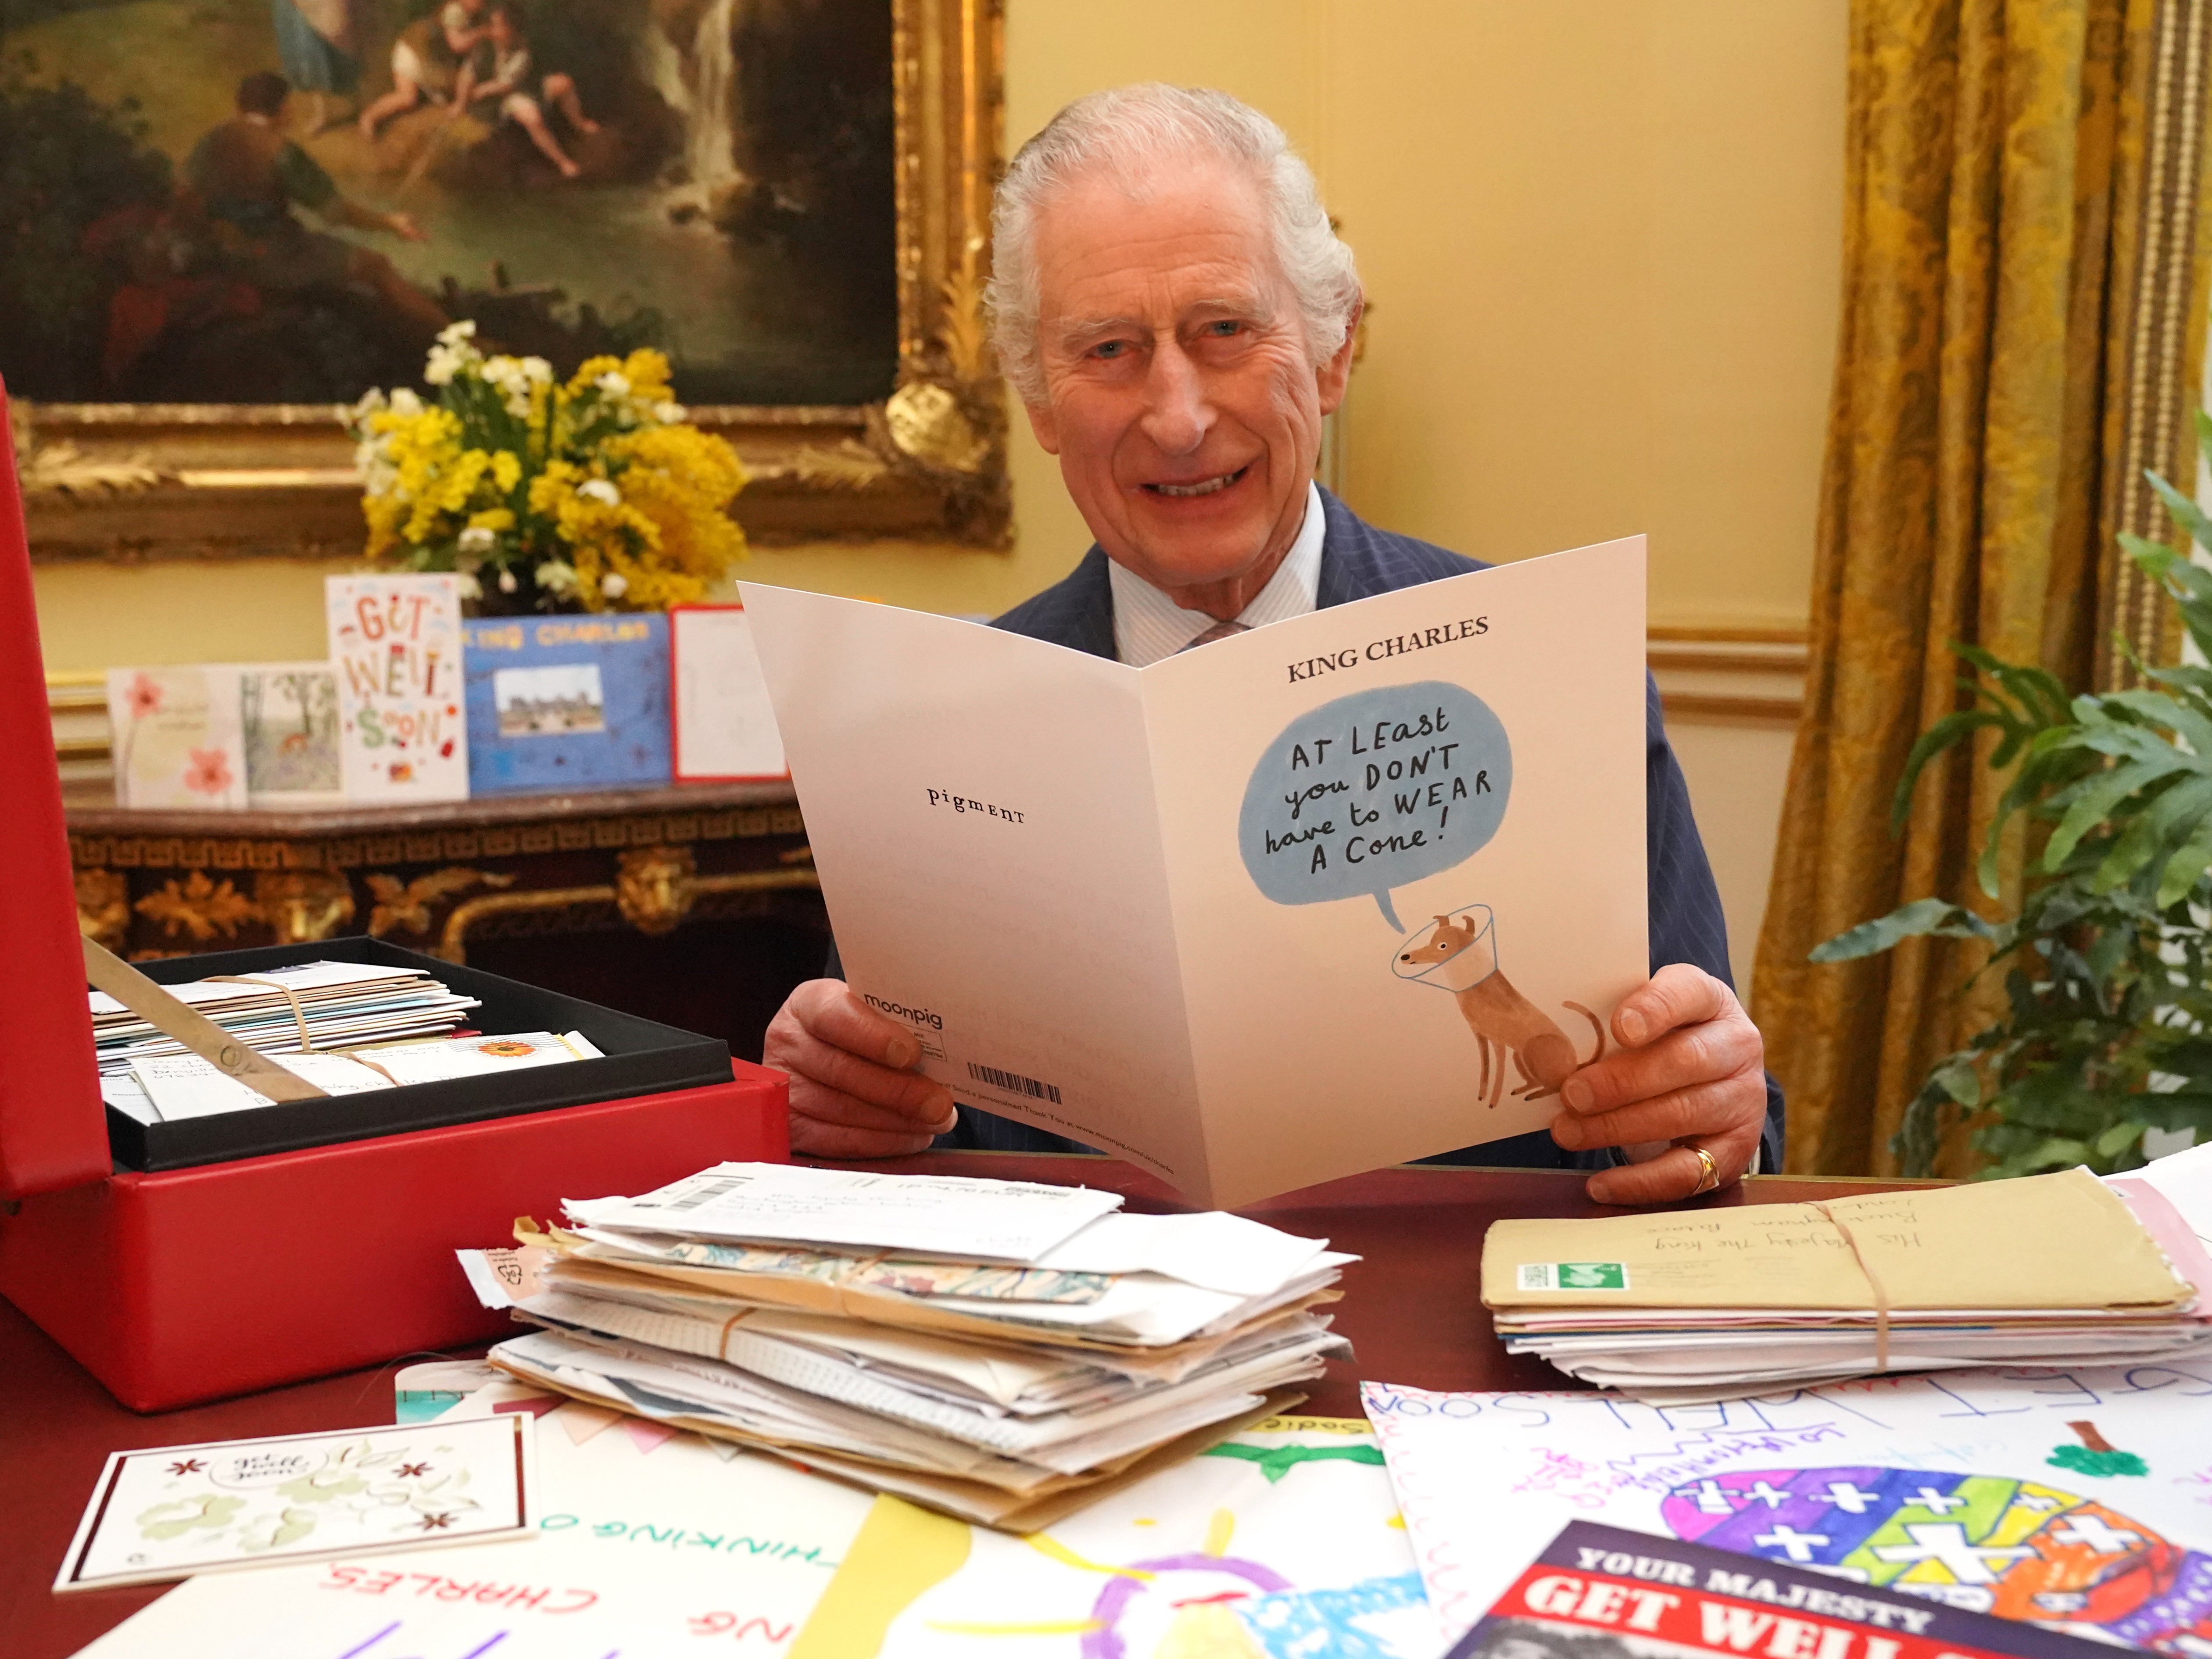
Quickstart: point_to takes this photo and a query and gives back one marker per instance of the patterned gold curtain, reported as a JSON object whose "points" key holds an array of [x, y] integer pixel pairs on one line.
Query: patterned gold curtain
{"points": [[2003, 220]]}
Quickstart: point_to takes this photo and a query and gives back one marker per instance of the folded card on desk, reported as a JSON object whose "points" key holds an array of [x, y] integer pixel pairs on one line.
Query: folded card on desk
{"points": [[175, 1511], [2059, 1268], [1601, 1590], [1159, 910]]}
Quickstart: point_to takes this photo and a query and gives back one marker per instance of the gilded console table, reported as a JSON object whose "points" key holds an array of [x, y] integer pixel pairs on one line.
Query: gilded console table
{"points": [[696, 903]]}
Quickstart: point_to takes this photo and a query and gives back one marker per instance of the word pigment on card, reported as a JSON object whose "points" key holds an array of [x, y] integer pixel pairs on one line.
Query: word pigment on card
{"points": [[1373, 791]]}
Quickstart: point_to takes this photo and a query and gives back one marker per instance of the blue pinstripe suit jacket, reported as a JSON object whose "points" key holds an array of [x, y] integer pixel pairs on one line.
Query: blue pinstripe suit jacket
{"points": [[1357, 561]]}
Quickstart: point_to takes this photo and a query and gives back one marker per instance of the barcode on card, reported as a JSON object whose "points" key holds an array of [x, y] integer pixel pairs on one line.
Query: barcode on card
{"points": [[1014, 1083], [706, 1192]]}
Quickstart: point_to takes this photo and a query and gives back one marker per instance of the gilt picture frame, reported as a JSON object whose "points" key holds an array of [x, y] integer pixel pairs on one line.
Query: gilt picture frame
{"points": [[128, 482]]}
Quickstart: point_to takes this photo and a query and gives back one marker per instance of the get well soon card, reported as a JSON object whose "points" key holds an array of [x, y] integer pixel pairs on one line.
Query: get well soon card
{"points": [[1338, 892]]}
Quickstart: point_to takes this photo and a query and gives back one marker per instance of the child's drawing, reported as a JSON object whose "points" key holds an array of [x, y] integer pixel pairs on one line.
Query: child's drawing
{"points": [[1280, 1542], [1461, 956]]}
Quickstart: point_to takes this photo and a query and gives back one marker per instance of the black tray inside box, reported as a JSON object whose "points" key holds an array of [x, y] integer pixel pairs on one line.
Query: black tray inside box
{"points": [[642, 1057]]}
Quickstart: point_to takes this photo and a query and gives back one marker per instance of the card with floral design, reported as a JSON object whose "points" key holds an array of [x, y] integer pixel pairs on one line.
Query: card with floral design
{"points": [[178, 739], [176, 1511]]}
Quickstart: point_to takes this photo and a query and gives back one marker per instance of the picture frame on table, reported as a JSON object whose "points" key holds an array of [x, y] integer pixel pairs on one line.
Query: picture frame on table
{"points": [[857, 214]]}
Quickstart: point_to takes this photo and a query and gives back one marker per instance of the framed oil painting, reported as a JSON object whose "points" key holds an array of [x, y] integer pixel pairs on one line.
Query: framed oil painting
{"points": [[230, 218]]}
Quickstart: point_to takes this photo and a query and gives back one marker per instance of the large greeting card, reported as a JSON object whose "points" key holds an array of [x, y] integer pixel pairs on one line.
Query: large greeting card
{"points": [[396, 643], [1338, 892]]}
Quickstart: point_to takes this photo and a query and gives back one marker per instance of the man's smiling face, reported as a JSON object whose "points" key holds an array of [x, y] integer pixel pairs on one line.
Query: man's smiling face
{"points": [[1178, 394]]}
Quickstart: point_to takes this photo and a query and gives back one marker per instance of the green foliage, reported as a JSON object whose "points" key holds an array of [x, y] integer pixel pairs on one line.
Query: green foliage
{"points": [[2108, 1024], [66, 162]]}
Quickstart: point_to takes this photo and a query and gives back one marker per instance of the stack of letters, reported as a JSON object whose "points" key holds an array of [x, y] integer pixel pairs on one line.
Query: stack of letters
{"points": [[2061, 1269], [318, 1005], [997, 1350]]}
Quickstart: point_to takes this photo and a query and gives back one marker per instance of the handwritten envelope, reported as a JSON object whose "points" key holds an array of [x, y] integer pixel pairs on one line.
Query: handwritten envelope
{"points": [[2055, 1241]]}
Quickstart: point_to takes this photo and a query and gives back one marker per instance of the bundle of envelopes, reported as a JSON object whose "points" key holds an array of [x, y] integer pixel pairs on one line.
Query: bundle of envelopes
{"points": [[331, 1004], [1001, 1351], [1710, 1303]]}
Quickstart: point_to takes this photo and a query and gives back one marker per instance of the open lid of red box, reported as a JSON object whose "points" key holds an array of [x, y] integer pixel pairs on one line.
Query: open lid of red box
{"points": [[53, 1132]]}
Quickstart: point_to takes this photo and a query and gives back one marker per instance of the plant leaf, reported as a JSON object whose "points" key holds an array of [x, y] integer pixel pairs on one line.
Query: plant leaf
{"points": [[1938, 737], [2095, 804], [1920, 919]]}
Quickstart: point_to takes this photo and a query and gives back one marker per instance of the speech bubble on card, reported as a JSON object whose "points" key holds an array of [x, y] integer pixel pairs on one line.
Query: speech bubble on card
{"points": [[1373, 791]]}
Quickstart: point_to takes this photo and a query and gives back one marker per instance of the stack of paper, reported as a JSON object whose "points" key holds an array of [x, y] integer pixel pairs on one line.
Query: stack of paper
{"points": [[342, 1004], [169, 1088], [999, 1350], [2060, 1269]]}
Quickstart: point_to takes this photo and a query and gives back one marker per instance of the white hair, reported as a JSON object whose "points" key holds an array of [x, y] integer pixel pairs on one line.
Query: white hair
{"points": [[1125, 128]]}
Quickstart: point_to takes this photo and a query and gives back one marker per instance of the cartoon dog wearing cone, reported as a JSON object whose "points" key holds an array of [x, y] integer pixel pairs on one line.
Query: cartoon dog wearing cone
{"points": [[1461, 956]]}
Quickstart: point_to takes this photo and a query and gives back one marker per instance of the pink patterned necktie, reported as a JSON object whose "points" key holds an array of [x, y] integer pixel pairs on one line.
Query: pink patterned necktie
{"points": [[1220, 630]]}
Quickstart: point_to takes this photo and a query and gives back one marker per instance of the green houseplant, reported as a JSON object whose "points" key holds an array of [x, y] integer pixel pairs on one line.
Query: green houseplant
{"points": [[2107, 1029]]}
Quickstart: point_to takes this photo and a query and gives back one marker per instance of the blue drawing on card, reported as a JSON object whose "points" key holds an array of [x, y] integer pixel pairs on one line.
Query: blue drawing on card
{"points": [[1371, 791], [1353, 1622]]}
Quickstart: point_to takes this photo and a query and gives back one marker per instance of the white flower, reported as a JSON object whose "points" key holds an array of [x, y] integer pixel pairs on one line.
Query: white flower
{"points": [[614, 585], [537, 370], [477, 538], [556, 576], [468, 586], [668, 414], [452, 353], [507, 582], [600, 489], [509, 375], [405, 402], [614, 385], [371, 402]]}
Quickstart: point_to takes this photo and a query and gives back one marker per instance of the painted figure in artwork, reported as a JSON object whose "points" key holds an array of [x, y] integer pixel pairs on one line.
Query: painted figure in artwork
{"points": [[246, 178], [318, 41], [437, 58], [523, 96]]}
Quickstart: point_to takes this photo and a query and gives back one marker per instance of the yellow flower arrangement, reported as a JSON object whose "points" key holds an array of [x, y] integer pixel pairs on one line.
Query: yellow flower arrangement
{"points": [[591, 492]]}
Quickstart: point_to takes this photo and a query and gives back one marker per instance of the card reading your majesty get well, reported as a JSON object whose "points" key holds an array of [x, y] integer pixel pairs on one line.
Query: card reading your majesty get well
{"points": [[175, 1511]]}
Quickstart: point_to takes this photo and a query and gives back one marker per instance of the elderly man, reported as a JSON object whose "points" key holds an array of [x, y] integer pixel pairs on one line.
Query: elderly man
{"points": [[1177, 316]]}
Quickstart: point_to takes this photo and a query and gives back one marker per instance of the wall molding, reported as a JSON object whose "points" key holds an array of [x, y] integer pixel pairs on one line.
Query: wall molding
{"points": [[1722, 675]]}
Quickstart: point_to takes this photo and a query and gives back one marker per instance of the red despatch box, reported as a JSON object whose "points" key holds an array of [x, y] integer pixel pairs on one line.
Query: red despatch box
{"points": [[189, 1285]]}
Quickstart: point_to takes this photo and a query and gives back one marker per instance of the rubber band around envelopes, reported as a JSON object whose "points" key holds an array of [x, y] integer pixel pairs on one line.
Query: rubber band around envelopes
{"points": [[1873, 1284], [860, 1265], [291, 996]]}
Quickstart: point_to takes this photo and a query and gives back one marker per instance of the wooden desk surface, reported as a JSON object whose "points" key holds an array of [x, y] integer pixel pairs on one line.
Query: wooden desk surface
{"points": [[1411, 1308]]}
